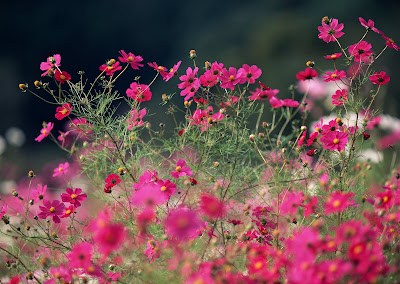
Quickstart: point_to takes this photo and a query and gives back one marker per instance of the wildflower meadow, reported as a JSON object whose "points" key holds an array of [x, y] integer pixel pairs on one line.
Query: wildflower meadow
{"points": [[243, 186]]}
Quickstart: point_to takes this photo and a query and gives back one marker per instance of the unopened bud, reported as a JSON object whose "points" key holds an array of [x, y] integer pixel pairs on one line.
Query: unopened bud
{"points": [[31, 174], [111, 62], [207, 65], [310, 64], [23, 87], [303, 128], [192, 54], [252, 137], [38, 84]]}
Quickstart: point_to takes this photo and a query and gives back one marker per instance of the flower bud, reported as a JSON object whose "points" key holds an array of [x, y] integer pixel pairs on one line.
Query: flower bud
{"points": [[252, 137], [31, 202], [31, 174], [23, 87], [38, 84], [261, 135], [111, 62], [148, 125], [121, 171], [192, 54], [310, 64], [207, 65], [265, 124], [216, 164]]}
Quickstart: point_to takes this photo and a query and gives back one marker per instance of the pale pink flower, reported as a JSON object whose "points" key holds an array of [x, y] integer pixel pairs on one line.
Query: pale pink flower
{"points": [[181, 169], [61, 169]]}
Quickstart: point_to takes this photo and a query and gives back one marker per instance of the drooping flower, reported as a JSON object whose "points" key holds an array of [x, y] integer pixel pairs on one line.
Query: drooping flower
{"points": [[307, 74], [262, 94], [62, 76], [334, 76], [62, 169], [74, 196], [52, 209], [379, 78], [110, 68], [249, 74], [139, 92], [335, 140], [361, 51], [339, 97], [211, 206], [181, 169], [330, 32], [136, 118], [47, 127], [182, 223], [333, 56], [63, 111], [131, 59], [338, 201], [370, 25], [51, 64], [172, 72], [163, 70], [390, 42]]}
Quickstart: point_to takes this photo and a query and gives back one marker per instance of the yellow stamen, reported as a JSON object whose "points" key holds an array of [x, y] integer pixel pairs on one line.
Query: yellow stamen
{"points": [[74, 196], [336, 203], [178, 169], [163, 188], [335, 141], [52, 209]]}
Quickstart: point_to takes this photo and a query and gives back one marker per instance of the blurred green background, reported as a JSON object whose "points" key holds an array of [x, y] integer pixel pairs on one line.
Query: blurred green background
{"points": [[277, 36]]}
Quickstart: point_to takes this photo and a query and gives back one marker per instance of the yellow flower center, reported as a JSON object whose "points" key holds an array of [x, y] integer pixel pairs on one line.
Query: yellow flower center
{"points": [[52, 209], [231, 78], [178, 169], [334, 75], [64, 111], [60, 169], [163, 188], [333, 56], [130, 59], [258, 265], [62, 77], [68, 212], [110, 67], [335, 141], [336, 203], [44, 131], [74, 196], [160, 68], [358, 249], [333, 267], [91, 269], [182, 222]]}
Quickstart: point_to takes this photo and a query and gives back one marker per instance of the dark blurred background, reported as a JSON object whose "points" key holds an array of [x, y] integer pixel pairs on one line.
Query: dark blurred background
{"points": [[277, 36]]}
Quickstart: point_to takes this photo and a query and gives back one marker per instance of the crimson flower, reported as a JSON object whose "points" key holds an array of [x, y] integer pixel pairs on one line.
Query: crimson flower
{"points": [[52, 209], [211, 206], [333, 56], [131, 59], [74, 196], [337, 202], [335, 140], [112, 180], [330, 32], [110, 69], [307, 74], [339, 97], [369, 25], [379, 78], [172, 72], [139, 92], [63, 111], [361, 51], [80, 256], [62, 76], [163, 70], [182, 223], [334, 76]]}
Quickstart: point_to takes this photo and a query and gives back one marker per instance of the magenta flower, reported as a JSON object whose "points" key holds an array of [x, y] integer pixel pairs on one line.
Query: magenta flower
{"points": [[329, 32], [370, 25], [229, 79], [262, 94], [51, 64], [249, 73], [183, 223], [334, 76], [163, 70], [172, 72], [333, 56], [167, 187], [181, 169], [131, 59], [139, 92], [112, 180], [339, 97], [110, 69], [361, 51], [290, 103], [153, 249], [211, 206], [275, 102], [379, 78], [52, 209], [307, 74], [74, 196], [39, 192], [136, 118], [63, 111], [190, 83], [3, 211], [148, 195], [390, 42], [337, 201], [335, 140], [61, 169], [62, 76], [109, 238], [45, 131], [80, 256]]}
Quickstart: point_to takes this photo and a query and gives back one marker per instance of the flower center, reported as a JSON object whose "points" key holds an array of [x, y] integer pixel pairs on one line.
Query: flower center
{"points": [[334, 75], [231, 78], [62, 77], [335, 141], [331, 32], [160, 68], [182, 222], [333, 56], [64, 111], [68, 212], [52, 209], [336, 203], [74, 196], [60, 169], [163, 188], [130, 59], [178, 169]]}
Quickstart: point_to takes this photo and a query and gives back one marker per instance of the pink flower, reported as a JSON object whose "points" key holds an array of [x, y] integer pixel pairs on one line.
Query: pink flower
{"points": [[38, 193], [211, 206], [167, 187], [335, 140], [249, 74], [131, 59], [163, 71], [3, 211], [290, 103], [62, 76], [110, 69], [45, 131], [330, 32], [370, 25], [339, 97], [182, 223], [153, 249], [80, 256], [53, 209], [80, 125], [390, 43], [229, 78], [333, 56], [275, 102], [110, 238], [262, 94], [63, 111], [379, 78], [73, 196], [334, 76], [338, 201], [61, 169], [310, 207], [307, 74], [139, 92], [136, 118], [181, 169], [149, 195], [190, 83], [68, 211], [50, 65], [384, 199], [111, 276], [172, 72], [361, 51]]}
